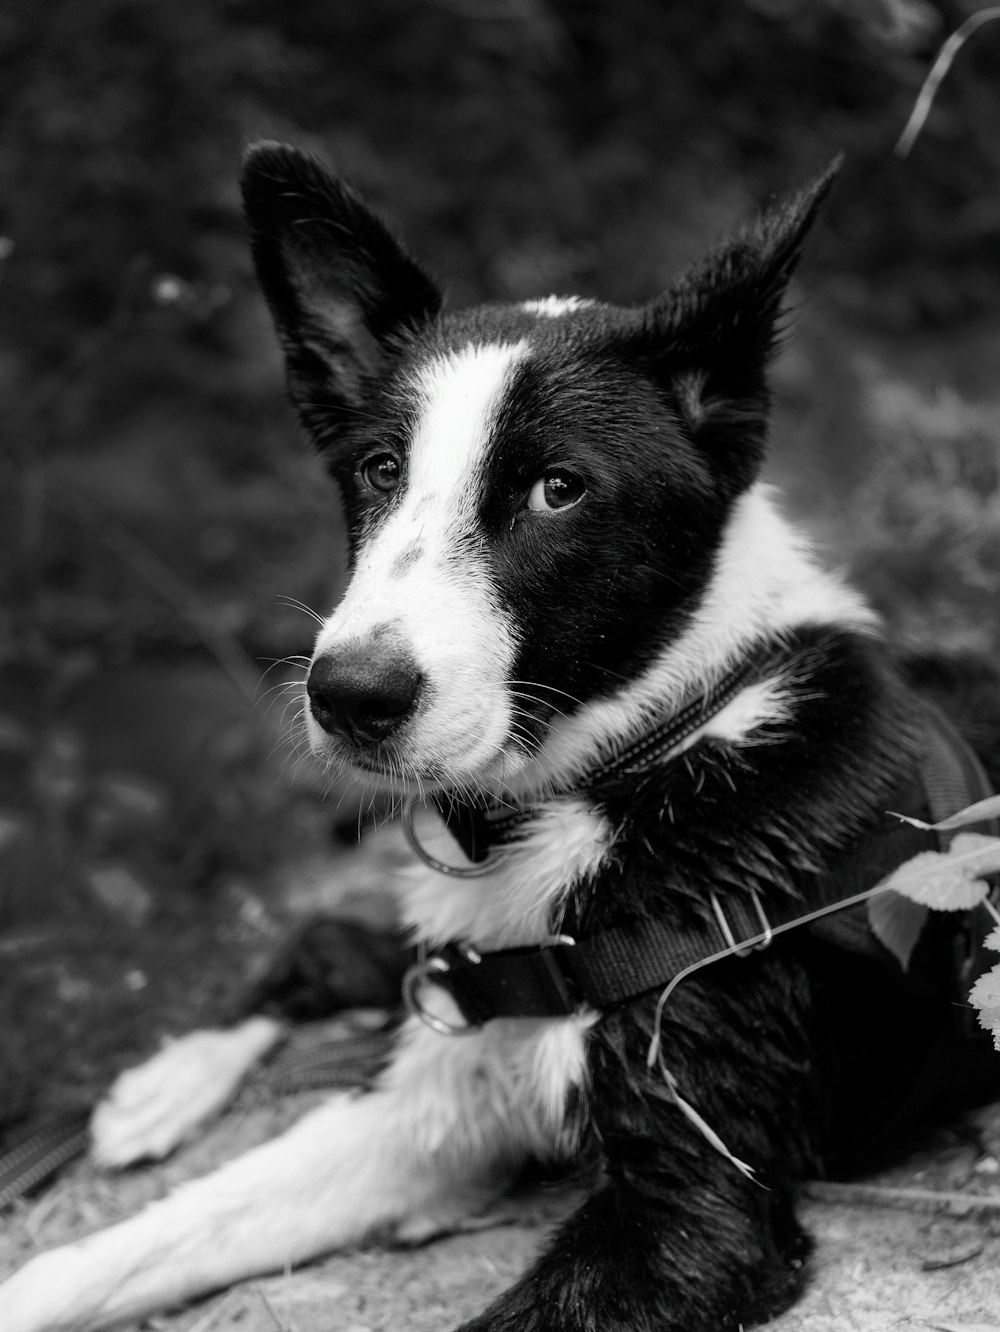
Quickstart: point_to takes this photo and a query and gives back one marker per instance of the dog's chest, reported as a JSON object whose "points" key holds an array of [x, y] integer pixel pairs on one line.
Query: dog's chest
{"points": [[521, 900]]}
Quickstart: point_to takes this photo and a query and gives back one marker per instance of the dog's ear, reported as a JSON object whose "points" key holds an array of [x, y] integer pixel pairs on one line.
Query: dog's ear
{"points": [[340, 287], [716, 328]]}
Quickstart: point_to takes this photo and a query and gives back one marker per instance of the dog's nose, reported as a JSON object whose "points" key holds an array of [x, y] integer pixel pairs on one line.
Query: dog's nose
{"points": [[364, 691]]}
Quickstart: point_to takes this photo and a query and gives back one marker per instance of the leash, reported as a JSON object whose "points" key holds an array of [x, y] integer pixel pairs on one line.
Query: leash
{"points": [[354, 1062]]}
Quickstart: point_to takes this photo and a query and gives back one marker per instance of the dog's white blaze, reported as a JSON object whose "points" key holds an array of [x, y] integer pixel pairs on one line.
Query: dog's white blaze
{"points": [[766, 579], [424, 574], [519, 902], [554, 306]]}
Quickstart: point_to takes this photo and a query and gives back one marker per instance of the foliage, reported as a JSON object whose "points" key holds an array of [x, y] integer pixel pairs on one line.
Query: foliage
{"points": [[524, 147], [926, 519]]}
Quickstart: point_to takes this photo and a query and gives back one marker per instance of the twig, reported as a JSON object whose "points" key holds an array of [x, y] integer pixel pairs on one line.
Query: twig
{"points": [[939, 69], [911, 1200]]}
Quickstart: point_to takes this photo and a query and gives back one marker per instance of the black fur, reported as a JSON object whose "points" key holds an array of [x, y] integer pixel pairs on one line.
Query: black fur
{"points": [[799, 1057]]}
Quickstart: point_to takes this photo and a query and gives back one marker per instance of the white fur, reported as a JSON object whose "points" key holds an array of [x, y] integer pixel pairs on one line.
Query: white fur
{"points": [[441, 603], [436, 1142], [551, 307], [151, 1109], [519, 902]]}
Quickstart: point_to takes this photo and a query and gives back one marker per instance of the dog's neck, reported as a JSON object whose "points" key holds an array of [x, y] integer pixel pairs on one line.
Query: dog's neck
{"points": [[766, 582]]}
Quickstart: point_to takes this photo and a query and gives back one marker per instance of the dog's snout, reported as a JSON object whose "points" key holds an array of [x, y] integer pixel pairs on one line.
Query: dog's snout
{"points": [[364, 691]]}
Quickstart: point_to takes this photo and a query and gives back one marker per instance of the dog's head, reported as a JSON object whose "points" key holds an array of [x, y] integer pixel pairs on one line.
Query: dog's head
{"points": [[535, 494]]}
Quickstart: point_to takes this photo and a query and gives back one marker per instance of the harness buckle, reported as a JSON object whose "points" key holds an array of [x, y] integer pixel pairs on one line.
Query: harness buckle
{"points": [[417, 975], [462, 957], [745, 949]]}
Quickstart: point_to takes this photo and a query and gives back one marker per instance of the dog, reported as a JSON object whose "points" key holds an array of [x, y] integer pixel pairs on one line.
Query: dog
{"points": [[658, 734]]}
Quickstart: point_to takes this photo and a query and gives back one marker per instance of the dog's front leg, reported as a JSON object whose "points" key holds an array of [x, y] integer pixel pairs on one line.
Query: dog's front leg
{"points": [[644, 1255], [675, 1237], [434, 1143]]}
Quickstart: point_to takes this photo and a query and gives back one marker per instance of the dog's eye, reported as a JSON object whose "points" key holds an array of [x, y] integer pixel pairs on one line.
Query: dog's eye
{"points": [[381, 472], [557, 489]]}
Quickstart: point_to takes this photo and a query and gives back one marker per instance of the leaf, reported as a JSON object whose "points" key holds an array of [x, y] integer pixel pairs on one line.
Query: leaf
{"points": [[897, 922], [980, 812], [985, 994], [985, 997], [948, 880]]}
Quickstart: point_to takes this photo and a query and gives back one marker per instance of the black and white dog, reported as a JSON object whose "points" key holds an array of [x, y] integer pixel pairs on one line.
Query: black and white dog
{"points": [[660, 730]]}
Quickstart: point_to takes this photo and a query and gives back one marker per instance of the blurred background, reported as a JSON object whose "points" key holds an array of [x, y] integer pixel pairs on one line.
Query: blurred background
{"points": [[159, 514]]}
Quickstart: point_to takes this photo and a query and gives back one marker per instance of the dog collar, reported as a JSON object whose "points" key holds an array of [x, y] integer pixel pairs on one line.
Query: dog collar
{"points": [[479, 829]]}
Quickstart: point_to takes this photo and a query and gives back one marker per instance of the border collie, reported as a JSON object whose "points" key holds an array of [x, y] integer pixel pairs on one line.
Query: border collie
{"points": [[659, 734]]}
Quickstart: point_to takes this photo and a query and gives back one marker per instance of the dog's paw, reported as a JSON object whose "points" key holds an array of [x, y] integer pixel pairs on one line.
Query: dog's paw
{"points": [[48, 1294], [151, 1109]]}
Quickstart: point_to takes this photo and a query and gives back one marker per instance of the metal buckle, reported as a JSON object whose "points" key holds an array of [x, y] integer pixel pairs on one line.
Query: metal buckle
{"points": [[743, 950], [417, 974], [454, 871], [438, 964]]}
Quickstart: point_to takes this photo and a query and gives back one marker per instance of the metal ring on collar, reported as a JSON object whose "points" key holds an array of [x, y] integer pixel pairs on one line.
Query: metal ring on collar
{"points": [[412, 980], [455, 871]]}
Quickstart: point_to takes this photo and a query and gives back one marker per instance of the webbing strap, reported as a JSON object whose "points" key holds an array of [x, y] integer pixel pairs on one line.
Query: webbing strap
{"points": [[624, 962]]}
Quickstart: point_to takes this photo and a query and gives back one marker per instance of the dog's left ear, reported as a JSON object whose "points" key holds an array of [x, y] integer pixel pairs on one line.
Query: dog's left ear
{"points": [[714, 332], [341, 288]]}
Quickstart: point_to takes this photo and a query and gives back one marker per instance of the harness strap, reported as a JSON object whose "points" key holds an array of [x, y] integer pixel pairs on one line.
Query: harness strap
{"points": [[557, 978]]}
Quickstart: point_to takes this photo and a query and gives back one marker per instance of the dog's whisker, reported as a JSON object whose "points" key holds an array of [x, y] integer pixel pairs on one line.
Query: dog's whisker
{"points": [[295, 604]]}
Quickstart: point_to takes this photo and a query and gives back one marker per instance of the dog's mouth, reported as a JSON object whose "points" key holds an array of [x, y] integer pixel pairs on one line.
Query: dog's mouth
{"points": [[476, 752]]}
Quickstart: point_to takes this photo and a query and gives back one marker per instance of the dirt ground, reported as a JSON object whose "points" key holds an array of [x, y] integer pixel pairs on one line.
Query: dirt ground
{"points": [[915, 1247]]}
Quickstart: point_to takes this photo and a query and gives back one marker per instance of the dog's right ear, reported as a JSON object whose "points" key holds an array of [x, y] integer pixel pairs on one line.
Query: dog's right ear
{"points": [[340, 288]]}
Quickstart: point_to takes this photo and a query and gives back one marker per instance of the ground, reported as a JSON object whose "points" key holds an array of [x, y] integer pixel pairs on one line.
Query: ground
{"points": [[883, 1259]]}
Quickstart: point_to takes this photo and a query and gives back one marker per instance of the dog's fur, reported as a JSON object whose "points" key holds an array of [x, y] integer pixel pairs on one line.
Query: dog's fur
{"points": [[557, 537]]}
